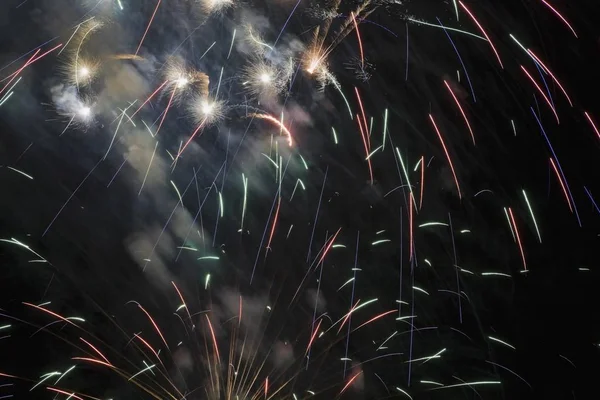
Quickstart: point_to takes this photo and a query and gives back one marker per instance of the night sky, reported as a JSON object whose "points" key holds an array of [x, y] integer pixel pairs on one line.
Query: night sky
{"points": [[163, 234]]}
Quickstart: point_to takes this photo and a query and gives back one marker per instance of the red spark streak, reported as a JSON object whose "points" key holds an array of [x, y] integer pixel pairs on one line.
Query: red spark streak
{"points": [[312, 337], [148, 346], [274, 223], [422, 181], [92, 360], [562, 184], [278, 123], [149, 98], [49, 312], [447, 155], [461, 111], [63, 392], [512, 218], [191, 138], [95, 349], [182, 300], [17, 72], [551, 75], [541, 92], [329, 246], [266, 386], [560, 16], [482, 31], [166, 110], [375, 319], [592, 123], [240, 317], [362, 135], [360, 46], [31, 61], [214, 338], [148, 27], [362, 112], [349, 382], [155, 326], [348, 316]]}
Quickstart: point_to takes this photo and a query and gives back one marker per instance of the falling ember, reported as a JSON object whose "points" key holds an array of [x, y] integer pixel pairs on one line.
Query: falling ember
{"points": [[276, 122]]}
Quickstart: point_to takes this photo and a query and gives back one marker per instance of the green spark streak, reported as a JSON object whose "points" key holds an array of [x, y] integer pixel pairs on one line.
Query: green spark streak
{"points": [[336, 85], [432, 383], [420, 290], [335, 246], [406, 176], [455, 8], [45, 377], [221, 204], [180, 307], [20, 172], [375, 243], [4, 327], [427, 262], [304, 162], [370, 126], [373, 152], [120, 4], [208, 258], [245, 182], [385, 119], [495, 274], [532, 216], [513, 126], [510, 224], [417, 165], [142, 371], [231, 47], [447, 28], [432, 224], [6, 98], [219, 84], [347, 282], [64, 374], [335, 139], [270, 159], [501, 342], [403, 392], [206, 281], [465, 231], [178, 194], [470, 384]]}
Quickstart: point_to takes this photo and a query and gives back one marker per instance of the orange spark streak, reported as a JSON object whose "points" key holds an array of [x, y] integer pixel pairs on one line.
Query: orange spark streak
{"points": [[214, 338], [148, 27], [560, 16], [360, 46], [551, 75], [266, 386], [461, 111], [274, 223], [49, 312], [422, 181], [312, 337], [541, 92], [562, 184], [592, 123], [95, 349], [447, 155], [349, 382], [329, 246], [482, 31], [240, 317], [71, 395], [155, 326], [512, 218], [149, 98], [362, 135], [374, 319], [92, 360], [276, 122]]}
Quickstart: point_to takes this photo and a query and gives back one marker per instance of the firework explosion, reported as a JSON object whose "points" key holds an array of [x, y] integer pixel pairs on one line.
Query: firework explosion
{"points": [[284, 199]]}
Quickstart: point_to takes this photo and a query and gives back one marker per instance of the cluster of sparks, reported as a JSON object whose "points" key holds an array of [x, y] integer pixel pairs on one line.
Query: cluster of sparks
{"points": [[180, 85]]}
